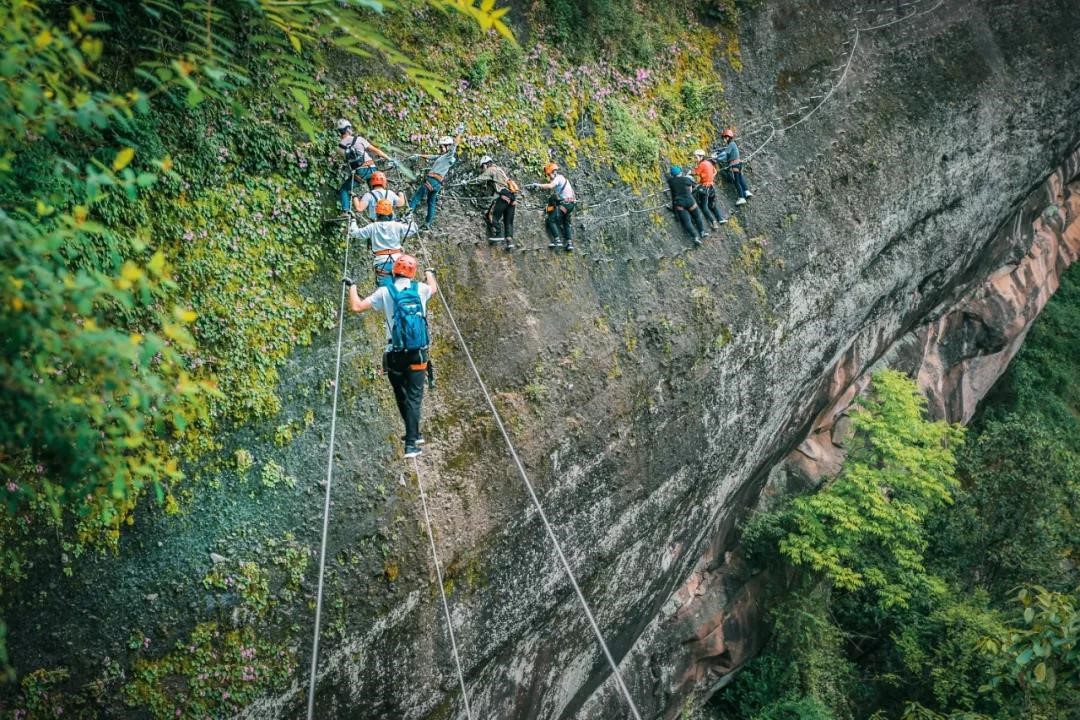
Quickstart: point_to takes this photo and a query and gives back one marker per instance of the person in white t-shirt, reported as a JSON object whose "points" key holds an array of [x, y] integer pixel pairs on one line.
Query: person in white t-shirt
{"points": [[406, 369], [384, 237], [560, 208]]}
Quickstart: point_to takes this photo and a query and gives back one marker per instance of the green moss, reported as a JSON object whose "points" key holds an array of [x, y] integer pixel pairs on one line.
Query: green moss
{"points": [[215, 672]]}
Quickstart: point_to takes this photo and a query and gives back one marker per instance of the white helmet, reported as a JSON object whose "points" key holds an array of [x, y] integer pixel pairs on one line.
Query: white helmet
{"points": [[343, 125], [699, 153], [446, 140], [485, 160]]}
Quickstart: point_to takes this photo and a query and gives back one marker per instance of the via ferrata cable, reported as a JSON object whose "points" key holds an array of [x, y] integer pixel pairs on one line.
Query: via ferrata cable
{"points": [[442, 591], [535, 499], [329, 476]]}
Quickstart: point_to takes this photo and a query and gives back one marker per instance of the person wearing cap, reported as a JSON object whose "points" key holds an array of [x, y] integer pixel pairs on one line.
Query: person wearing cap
{"points": [[378, 191], [560, 208], [729, 154], [433, 181], [502, 207], [357, 152], [384, 238], [684, 205], [704, 173], [405, 369]]}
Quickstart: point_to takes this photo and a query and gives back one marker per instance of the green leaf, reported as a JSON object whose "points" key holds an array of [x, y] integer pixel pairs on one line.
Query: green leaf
{"points": [[123, 159], [301, 97], [1040, 672]]}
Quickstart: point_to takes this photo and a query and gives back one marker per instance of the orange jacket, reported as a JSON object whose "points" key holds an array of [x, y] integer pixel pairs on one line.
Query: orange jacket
{"points": [[705, 172]]}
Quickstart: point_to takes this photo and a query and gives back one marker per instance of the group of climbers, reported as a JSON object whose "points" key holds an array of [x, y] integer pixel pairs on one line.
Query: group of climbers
{"points": [[693, 194], [403, 300]]}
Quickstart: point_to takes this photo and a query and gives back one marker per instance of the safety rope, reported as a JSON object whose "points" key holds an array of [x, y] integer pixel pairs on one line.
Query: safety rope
{"points": [[326, 502], [771, 124], [442, 591], [535, 500]]}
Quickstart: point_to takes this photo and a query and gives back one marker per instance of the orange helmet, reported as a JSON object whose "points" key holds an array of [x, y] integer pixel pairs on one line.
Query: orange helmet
{"points": [[728, 133], [405, 266], [377, 179], [550, 168], [384, 207]]}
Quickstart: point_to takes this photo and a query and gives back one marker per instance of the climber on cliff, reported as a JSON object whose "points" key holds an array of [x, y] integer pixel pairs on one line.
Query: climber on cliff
{"points": [[502, 207], [560, 208], [682, 202], [384, 238], [433, 181], [705, 192], [405, 360], [379, 191], [357, 152], [729, 155]]}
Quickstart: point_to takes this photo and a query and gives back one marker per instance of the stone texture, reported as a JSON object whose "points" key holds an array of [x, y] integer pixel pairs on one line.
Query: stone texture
{"points": [[883, 218]]}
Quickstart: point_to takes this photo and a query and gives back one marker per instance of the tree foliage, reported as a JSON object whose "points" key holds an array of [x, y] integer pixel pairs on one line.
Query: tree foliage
{"points": [[988, 623], [864, 529]]}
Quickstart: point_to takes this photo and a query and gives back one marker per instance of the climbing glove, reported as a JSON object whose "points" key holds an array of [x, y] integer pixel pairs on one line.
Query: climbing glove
{"points": [[430, 270], [347, 282]]}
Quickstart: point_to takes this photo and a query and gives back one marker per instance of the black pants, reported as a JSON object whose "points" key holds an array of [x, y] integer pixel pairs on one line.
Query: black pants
{"points": [[706, 199], [502, 208], [559, 224], [407, 372], [690, 217]]}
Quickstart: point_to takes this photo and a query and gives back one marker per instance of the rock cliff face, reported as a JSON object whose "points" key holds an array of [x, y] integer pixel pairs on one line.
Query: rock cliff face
{"points": [[877, 224], [918, 217]]}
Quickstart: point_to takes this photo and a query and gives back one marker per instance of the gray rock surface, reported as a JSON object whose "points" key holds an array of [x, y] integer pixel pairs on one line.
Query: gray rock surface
{"points": [[650, 400]]}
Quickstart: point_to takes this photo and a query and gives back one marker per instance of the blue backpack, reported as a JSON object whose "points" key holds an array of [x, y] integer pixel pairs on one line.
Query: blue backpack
{"points": [[409, 329]]}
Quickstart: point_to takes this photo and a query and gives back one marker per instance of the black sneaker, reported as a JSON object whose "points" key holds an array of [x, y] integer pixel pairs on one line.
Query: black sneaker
{"points": [[569, 247], [419, 439], [554, 244], [494, 240], [412, 451], [509, 244], [697, 242]]}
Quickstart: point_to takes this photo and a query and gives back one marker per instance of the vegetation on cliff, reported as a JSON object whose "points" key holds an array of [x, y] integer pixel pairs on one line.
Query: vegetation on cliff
{"points": [[960, 600]]}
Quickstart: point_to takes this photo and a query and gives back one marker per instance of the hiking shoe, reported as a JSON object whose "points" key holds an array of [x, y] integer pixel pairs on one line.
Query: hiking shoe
{"points": [[740, 201], [419, 440], [494, 240], [554, 244], [705, 234], [509, 244], [697, 242], [715, 224], [722, 222], [569, 247], [412, 451], [749, 194]]}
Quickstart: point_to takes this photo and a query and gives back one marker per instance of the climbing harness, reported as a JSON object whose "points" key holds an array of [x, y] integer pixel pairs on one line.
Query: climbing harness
{"points": [[536, 501], [442, 590], [326, 502]]}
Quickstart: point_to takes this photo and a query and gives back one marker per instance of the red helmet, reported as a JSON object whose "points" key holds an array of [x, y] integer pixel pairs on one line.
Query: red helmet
{"points": [[728, 133], [377, 179], [550, 168], [405, 266]]}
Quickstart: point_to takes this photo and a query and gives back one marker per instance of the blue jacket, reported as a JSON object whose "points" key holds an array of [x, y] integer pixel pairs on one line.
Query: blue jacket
{"points": [[728, 154]]}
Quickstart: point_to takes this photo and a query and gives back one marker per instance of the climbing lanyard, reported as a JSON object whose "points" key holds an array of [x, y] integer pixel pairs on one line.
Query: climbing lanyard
{"points": [[329, 476], [442, 591], [536, 501]]}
